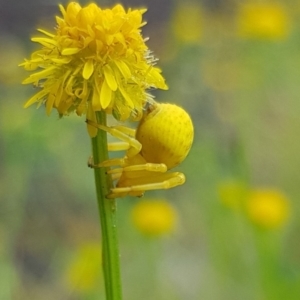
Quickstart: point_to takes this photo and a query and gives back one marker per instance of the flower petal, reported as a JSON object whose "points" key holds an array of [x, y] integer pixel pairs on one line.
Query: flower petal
{"points": [[96, 97], [51, 97], [124, 69], [105, 95], [35, 98], [70, 51], [39, 75], [110, 77], [126, 97], [46, 33], [88, 69], [61, 61], [44, 41]]}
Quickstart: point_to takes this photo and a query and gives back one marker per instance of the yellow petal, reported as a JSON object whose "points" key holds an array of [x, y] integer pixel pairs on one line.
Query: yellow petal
{"points": [[87, 41], [96, 98], [105, 95], [88, 69], [91, 32], [61, 90], [156, 77], [110, 77], [46, 33], [70, 51], [62, 9], [59, 95], [118, 8], [62, 96], [35, 98], [39, 75], [124, 69], [61, 61], [82, 106], [99, 45], [126, 97], [120, 38], [65, 104], [31, 65], [44, 41], [51, 97], [70, 14], [86, 16]]}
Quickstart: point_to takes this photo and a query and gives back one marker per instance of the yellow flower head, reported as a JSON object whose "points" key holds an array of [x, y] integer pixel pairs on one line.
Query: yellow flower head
{"points": [[84, 270], [96, 60], [154, 217], [263, 20], [268, 208]]}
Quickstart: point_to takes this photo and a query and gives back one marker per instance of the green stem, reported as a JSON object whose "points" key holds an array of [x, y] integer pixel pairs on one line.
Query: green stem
{"points": [[108, 220]]}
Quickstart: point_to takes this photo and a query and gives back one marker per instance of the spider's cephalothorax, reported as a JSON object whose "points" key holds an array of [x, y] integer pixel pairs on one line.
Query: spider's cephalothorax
{"points": [[161, 141]]}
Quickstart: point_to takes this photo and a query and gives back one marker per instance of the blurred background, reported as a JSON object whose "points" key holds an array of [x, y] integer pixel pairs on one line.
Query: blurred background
{"points": [[231, 232]]}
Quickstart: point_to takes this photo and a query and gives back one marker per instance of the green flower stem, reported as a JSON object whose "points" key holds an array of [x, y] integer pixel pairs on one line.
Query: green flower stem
{"points": [[108, 220]]}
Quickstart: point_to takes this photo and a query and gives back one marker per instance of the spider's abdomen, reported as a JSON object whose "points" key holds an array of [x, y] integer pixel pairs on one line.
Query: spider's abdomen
{"points": [[166, 133]]}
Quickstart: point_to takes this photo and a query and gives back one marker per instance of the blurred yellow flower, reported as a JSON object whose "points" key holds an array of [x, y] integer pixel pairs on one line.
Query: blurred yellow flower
{"points": [[187, 22], [96, 60], [154, 217], [232, 193], [268, 208], [85, 268], [266, 20]]}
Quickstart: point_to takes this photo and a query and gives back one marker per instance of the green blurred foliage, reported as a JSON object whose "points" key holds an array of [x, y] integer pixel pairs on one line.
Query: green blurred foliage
{"points": [[242, 92]]}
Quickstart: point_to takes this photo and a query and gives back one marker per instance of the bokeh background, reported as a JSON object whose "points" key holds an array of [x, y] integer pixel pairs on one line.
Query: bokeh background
{"points": [[231, 232]]}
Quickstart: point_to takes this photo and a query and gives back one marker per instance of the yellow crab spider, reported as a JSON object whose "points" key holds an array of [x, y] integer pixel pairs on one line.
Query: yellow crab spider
{"points": [[161, 141]]}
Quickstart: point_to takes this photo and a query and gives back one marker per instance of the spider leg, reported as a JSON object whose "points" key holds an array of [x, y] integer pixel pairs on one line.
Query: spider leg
{"points": [[118, 146], [133, 161], [127, 130], [143, 167], [154, 182], [123, 133], [108, 163]]}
